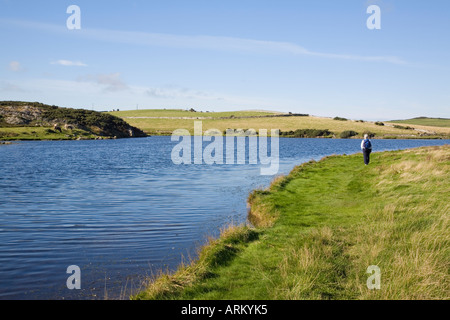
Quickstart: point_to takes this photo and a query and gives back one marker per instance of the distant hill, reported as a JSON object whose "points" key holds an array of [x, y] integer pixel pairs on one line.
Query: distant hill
{"points": [[165, 122], [34, 114], [425, 121]]}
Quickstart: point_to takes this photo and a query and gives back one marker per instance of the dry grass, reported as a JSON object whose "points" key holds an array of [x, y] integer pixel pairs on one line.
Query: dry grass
{"points": [[408, 238], [167, 126], [304, 266], [406, 234]]}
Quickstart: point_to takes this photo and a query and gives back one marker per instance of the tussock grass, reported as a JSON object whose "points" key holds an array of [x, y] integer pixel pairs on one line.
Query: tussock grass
{"points": [[217, 252], [318, 229]]}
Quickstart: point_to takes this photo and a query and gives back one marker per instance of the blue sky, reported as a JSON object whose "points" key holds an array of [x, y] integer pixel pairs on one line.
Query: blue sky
{"points": [[315, 57]]}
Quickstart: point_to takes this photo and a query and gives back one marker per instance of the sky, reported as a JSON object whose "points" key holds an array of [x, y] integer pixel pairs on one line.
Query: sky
{"points": [[316, 57]]}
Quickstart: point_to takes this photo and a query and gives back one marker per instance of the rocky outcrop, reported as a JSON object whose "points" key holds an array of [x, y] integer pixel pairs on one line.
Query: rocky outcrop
{"points": [[19, 114], [16, 113]]}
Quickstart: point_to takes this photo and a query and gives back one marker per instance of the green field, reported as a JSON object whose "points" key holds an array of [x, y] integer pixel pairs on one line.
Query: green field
{"points": [[41, 133], [424, 121], [164, 122], [186, 113], [318, 230]]}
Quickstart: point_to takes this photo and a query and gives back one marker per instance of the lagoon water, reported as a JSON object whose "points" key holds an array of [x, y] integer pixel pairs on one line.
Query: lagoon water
{"points": [[121, 210]]}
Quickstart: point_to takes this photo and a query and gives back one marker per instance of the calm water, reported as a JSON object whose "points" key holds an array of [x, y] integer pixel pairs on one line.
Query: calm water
{"points": [[120, 209]]}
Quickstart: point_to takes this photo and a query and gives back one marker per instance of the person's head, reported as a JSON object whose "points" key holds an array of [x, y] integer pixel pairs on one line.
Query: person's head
{"points": [[366, 136]]}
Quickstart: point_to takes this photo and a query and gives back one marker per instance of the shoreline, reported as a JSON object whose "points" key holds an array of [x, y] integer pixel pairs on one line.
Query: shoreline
{"points": [[286, 137], [220, 262], [68, 139]]}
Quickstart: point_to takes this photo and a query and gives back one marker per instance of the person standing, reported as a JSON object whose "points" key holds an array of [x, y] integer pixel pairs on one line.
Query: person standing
{"points": [[366, 147]]}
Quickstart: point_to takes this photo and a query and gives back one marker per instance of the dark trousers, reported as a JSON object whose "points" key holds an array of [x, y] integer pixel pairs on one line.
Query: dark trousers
{"points": [[366, 153]]}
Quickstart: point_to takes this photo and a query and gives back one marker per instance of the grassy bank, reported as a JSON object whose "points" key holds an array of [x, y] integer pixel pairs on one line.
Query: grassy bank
{"points": [[164, 122], [318, 229], [42, 133]]}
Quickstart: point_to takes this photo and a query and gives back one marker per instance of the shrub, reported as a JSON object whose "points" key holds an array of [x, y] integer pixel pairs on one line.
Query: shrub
{"points": [[403, 127], [299, 114], [369, 133], [340, 119], [4, 134], [348, 134], [306, 133], [379, 123]]}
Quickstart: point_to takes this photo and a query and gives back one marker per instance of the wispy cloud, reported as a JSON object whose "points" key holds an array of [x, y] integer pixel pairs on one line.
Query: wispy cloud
{"points": [[110, 82], [68, 63], [10, 87], [240, 45], [202, 42], [176, 92]]}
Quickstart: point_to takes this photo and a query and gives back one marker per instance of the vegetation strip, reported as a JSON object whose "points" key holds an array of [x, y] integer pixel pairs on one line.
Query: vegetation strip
{"points": [[317, 230], [37, 121]]}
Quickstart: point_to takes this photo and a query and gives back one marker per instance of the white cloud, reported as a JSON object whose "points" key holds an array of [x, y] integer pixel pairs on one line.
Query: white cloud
{"points": [[68, 63], [202, 42], [15, 66]]}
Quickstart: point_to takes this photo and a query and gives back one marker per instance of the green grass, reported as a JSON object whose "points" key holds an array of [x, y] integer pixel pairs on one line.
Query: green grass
{"points": [[424, 121], [155, 122], [41, 133], [318, 229], [186, 113]]}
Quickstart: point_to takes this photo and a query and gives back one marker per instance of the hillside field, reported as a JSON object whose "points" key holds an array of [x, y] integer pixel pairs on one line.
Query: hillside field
{"points": [[164, 122]]}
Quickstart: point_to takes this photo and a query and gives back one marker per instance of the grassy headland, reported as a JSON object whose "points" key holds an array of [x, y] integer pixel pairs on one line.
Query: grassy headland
{"points": [[316, 231], [164, 122], [36, 121]]}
